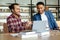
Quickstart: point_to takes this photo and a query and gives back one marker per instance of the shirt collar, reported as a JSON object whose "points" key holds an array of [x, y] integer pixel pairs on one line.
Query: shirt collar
{"points": [[14, 16], [43, 13]]}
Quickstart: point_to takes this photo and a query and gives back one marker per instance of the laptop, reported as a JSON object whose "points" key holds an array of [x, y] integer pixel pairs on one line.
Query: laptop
{"points": [[40, 26]]}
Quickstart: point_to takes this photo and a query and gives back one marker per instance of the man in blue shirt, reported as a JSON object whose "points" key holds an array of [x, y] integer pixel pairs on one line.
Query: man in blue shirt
{"points": [[45, 16]]}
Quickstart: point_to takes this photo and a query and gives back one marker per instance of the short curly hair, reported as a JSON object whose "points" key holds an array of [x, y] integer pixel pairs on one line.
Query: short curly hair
{"points": [[40, 3]]}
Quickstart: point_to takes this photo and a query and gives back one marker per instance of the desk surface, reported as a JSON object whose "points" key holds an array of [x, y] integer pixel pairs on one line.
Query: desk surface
{"points": [[54, 35]]}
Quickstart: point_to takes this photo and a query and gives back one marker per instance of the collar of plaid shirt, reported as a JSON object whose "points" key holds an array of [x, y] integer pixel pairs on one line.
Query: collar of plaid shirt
{"points": [[13, 15]]}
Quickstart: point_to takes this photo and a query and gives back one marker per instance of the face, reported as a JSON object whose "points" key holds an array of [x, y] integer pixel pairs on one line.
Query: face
{"points": [[40, 8], [16, 9]]}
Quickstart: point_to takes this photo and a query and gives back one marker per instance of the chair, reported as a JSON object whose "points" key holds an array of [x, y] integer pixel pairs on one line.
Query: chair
{"points": [[58, 23], [5, 28]]}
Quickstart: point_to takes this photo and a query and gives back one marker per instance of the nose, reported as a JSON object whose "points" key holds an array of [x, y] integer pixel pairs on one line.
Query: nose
{"points": [[19, 10], [40, 9]]}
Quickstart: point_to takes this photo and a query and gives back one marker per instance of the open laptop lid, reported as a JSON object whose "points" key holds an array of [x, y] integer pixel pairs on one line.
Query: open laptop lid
{"points": [[40, 26]]}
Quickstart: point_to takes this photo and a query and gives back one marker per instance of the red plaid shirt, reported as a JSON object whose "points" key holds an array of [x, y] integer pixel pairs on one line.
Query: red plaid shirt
{"points": [[14, 24]]}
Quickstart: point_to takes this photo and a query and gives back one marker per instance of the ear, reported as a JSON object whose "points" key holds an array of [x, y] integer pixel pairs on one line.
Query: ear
{"points": [[12, 10]]}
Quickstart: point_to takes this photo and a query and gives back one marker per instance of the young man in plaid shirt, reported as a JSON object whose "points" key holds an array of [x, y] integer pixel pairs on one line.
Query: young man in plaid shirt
{"points": [[14, 21]]}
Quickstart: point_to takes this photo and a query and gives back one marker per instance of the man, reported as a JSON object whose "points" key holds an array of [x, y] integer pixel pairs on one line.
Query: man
{"points": [[45, 16], [14, 21]]}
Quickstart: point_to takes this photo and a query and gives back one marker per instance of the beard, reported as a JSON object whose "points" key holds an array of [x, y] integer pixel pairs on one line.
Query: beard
{"points": [[17, 15]]}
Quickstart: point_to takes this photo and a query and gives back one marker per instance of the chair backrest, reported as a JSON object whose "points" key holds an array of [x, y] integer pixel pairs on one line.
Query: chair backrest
{"points": [[5, 28], [58, 23]]}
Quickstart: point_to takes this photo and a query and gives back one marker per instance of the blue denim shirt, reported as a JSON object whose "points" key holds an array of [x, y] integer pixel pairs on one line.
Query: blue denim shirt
{"points": [[50, 17]]}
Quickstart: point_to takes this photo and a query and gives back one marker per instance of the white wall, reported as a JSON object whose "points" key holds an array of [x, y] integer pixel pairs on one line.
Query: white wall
{"points": [[6, 1], [23, 1], [52, 2], [28, 1], [35, 1]]}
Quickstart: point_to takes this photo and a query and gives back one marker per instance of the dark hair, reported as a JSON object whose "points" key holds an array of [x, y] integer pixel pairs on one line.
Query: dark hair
{"points": [[12, 6], [40, 3]]}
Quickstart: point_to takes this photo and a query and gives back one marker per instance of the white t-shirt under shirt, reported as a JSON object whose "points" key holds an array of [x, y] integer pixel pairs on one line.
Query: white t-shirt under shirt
{"points": [[44, 18]]}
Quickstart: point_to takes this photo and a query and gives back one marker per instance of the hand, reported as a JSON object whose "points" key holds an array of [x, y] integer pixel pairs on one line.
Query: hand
{"points": [[28, 25], [29, 22], [58, 28]]}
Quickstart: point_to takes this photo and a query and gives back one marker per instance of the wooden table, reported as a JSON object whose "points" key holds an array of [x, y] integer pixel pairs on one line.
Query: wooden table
{"points": [[54, 35]]}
